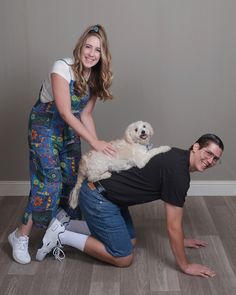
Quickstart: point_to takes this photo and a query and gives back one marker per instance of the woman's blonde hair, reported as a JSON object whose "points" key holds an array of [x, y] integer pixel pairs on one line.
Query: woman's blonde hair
{"points": [[101, 76]]}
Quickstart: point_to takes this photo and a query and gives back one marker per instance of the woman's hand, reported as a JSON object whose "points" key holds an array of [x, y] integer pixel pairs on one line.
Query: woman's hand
{"points": [[105, 147], [193, 243]]}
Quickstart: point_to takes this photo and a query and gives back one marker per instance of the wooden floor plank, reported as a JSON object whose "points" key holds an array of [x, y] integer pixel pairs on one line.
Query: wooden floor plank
{"points": [[16, 285], [101, 288], [162, 271], [134, 279], [216, 256], [77, 272], [225, 220], [166, 293], [199, 219]]}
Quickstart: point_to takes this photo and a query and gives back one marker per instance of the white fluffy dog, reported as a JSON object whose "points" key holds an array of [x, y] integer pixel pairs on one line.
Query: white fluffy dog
{"points": [[131, 151]]}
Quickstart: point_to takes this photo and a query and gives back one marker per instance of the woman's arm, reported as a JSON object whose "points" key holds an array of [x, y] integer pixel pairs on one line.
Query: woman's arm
{"points": [[87, 118], [61, 93]]}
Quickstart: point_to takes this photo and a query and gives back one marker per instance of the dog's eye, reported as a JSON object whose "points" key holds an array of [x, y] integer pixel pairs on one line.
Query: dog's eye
{"points": [[144, 126], [136, 129]]}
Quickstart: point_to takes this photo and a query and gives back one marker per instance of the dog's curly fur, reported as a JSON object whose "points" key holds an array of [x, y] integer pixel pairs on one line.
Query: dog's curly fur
{"points": [[131, 151]]}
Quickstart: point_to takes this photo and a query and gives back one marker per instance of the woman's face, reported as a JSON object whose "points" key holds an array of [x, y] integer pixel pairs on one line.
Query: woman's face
{"points": [[91, 52]]}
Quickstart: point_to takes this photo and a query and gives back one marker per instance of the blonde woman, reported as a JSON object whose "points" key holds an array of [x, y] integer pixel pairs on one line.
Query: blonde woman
{"points": [[61, 116]]}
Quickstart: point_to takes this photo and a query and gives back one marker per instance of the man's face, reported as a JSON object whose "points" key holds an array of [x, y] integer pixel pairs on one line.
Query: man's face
{"points": [[204, 158]]}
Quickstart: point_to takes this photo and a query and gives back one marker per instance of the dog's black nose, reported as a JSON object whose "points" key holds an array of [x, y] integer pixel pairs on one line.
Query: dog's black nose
{"points": [[143, 132]]}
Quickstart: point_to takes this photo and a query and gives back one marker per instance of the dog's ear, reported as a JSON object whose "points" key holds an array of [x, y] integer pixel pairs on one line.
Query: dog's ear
{"points": [[127, 135], [151, 130]]}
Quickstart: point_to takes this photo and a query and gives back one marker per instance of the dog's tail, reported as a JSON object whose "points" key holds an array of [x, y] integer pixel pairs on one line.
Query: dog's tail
{"points": [[74, 197], [74, 194]]}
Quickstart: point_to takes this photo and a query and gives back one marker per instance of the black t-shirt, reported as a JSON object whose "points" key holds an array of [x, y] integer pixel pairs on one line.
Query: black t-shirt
{"points": [[166, 176]]}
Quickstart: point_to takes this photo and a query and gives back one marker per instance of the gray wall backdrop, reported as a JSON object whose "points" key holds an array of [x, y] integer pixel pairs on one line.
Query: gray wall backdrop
{"points": [[174, 65]]}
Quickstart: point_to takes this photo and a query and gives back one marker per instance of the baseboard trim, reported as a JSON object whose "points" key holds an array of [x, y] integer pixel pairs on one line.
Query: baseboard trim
{"points": [[212, 188], [14, 188], [197, 188]]}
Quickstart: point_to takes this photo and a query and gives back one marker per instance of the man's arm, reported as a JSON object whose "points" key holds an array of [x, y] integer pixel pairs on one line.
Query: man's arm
{"points": [[174, 218]]}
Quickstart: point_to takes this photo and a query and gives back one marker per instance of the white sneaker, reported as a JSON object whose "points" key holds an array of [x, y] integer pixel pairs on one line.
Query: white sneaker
{"points": [[19, 246], [63, 217], [50, 239]]}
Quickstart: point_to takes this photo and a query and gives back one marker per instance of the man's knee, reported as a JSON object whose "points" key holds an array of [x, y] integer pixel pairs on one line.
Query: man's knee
{"points": [[123, 261]]}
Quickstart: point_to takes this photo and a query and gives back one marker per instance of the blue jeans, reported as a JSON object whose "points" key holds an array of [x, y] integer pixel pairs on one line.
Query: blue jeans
{"points": [[109, 223]]}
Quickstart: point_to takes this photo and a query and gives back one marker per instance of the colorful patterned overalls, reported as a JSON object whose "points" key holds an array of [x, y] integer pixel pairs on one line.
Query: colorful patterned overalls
{"points": [[55, 151]]}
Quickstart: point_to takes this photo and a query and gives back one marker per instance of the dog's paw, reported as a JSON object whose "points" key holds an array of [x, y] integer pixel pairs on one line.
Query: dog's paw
{"points": [[158, 150], [164, 148]]}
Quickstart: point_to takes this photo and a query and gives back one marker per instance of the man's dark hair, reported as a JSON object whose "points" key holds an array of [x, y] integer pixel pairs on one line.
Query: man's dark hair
{"points": [[208, 138]]}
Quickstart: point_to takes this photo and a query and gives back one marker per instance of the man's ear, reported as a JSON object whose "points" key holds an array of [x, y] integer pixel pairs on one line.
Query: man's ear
{"points": [[196, 147]]}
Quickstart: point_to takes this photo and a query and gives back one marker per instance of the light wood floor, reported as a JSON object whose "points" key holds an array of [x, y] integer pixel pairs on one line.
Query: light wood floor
{"points": [[153, 272]]}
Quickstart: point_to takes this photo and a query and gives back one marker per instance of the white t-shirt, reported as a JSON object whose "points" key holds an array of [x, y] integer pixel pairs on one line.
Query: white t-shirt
{"points": [[61, 67]]}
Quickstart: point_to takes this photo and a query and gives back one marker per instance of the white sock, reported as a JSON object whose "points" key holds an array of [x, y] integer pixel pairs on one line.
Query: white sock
{"points": [[78, 226], [72, 239]]}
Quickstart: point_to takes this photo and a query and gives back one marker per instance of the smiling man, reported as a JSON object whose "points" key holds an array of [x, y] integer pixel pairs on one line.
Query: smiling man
{"points": [[105, 205]]}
